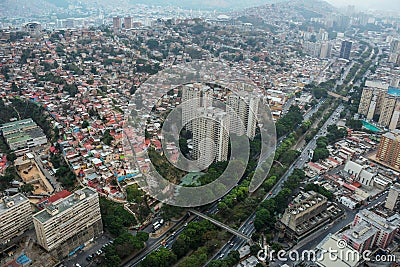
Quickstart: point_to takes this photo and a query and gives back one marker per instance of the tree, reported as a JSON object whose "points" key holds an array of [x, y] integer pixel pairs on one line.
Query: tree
{"points": [[152, 43], [134, 194], [107, 138], [142, 236], [320, 153], [26, 188], [354, 124], [125, 244], [180, 247], [254, 249], [233, 258], [160, 258], [263, 219], [85, 124], [11, 157], [115, 218]]}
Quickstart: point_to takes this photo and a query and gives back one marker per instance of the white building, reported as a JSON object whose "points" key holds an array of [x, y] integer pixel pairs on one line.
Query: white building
{"points": [[15, 217], [69, 222]]}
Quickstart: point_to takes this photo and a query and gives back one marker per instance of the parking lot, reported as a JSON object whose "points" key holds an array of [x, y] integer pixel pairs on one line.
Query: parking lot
{"points": [[91, 250]]}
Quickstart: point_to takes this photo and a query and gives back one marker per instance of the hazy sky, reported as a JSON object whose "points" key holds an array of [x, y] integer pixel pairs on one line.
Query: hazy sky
{"points": [[366, 4]]}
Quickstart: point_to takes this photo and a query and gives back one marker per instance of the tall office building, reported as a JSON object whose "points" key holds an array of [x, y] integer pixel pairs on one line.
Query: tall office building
{"points": [[326, 49], [345, 49], [15, 217], [394, 53], [69, 222], [389, 149], [321, 49], [392, 200], [128, 22], [395, 121], [116, 23], [210, 136]]}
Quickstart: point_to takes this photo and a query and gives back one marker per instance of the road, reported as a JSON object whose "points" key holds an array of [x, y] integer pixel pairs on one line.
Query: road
{"points": [[232, 231], [235, 243], [169, 236], [247, 227]]}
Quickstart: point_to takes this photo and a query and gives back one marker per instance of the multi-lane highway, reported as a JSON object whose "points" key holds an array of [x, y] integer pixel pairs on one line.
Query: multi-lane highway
{"points": [[248, 227]]}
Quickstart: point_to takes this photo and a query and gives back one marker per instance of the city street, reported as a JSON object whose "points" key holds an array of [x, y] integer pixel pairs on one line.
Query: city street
{"points": [[248, 226]]}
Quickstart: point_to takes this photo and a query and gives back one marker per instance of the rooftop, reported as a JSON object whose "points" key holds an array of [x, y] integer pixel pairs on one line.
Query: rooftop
{"points": [[17, 199], [13, 127], [377, 221], [330, 244], [360, 232], [9, 124], [64, 204]]}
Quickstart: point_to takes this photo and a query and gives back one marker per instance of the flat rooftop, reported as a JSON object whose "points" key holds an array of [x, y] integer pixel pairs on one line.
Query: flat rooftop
{"points": [[376, 220], [63, 204], [361, 232], [18, 199], [8, 124]]}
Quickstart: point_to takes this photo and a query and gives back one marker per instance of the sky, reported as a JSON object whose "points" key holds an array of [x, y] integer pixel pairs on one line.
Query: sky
{"points": [[369, 4]]}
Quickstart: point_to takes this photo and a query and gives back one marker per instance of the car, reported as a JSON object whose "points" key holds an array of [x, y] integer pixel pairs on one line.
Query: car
{"points": [[222, 255], [78, 265], [231, 244], [89, 258], [326, 227], [251, 222], [185, 225]]}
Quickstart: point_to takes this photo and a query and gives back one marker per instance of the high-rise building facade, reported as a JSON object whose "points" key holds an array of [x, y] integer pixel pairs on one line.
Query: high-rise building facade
{"points": [[15, 217], [392, 200], [201, 116], [345, 49], [377, 102], [246, 108], [210, 136], [194, 97], [320, 49], [309, 211], [128, 22], [389, 149], [394, 54], [69, 222], [116, 23]]}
